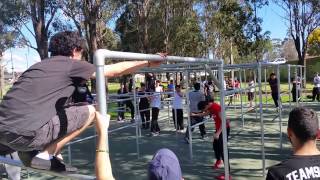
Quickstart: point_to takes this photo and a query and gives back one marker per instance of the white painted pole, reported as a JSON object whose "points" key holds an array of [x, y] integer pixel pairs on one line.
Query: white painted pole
{"points": [[261, 122], [289, 83], [189, 119], [280, 104], [224, 128], [101, 89], [241, 102]]}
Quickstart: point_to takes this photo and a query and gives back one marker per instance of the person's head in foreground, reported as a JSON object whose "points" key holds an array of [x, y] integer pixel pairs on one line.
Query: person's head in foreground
{"points": [[303, 126], [164, 166], [67, 43]]}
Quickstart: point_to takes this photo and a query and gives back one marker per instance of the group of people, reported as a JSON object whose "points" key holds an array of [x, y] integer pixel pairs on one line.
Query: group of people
{"points": [[39, 116]]}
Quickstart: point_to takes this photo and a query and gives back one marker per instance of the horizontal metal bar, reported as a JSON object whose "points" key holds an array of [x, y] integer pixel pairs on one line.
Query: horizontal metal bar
{"points": [[117, 55], [52, 173], [202, 122]]}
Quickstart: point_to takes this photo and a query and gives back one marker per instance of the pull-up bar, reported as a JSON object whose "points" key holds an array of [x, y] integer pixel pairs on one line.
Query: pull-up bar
{"points": [[102, 54]]}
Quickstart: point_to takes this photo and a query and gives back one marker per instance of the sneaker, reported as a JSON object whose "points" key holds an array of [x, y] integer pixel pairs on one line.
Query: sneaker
{"points": [[120, 121], [217, 164], [155, 134], [58, 165], [222, 177]]}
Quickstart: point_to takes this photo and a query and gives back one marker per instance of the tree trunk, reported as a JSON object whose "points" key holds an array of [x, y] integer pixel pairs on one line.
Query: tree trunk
{"points": [[40, 27], [231, 61]]}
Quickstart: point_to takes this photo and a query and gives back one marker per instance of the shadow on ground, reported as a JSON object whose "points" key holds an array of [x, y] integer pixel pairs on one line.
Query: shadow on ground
{"points": [[244, 144]]}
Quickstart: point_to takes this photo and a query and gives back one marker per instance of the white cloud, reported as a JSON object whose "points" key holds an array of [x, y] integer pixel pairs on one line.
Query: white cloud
{"points": [[21, 59]]}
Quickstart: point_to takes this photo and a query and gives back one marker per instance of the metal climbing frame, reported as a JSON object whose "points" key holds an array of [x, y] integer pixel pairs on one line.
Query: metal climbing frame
{"points": [[102, 54]]}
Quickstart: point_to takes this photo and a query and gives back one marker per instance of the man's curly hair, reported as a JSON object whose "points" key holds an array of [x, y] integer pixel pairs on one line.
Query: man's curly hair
{"points": [[63, 43]]}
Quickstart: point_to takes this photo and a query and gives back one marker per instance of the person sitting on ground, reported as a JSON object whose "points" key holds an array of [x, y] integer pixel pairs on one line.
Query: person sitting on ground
{"points": [[177, 109], [303, 126], [194, 98], [144, 106], [273, 82], [214, 109], [35, 118], [164, 166], [316, 88]]}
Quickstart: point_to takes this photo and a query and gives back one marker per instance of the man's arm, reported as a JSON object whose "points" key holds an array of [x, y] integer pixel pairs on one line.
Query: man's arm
{"points": [[128, 67]]}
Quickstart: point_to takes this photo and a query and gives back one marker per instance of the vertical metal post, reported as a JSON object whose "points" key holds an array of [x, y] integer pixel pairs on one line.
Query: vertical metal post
{"points": [[280, 104], [265, 86], [241, 103], [69, 154], [296, 79], [101, 89], [255, 92], [224, 127], [301, 84], [261, 122], [136, 116], [289, 83], [174, 109], [189, 119], [245, 78]]}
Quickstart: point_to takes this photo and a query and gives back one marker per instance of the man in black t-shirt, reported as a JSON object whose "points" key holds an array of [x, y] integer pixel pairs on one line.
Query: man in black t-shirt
{"points": [[37, 115], [303, 126]]}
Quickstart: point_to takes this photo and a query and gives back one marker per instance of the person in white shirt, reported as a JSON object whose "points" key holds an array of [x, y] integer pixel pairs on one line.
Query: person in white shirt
{"points": [[155, 108], [316, 88], [251, 93], [178, 107]]}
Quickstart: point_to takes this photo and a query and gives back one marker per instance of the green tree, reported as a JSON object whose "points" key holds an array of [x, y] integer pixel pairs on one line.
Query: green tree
{"points": [[314, 43], [303, 17], [41, 13], [90, 19]]}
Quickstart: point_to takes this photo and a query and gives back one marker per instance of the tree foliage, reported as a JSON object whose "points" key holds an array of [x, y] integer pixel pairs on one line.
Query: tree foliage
{"points": [[314, 43], [170, 26], [90, 19], [303, 17]]}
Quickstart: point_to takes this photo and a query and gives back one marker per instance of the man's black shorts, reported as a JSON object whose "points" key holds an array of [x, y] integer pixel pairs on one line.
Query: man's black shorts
{"points": [[65, 122]]}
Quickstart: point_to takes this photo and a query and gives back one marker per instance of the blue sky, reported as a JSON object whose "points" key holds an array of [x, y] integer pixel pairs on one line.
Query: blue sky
{"points": [[23, 58]]}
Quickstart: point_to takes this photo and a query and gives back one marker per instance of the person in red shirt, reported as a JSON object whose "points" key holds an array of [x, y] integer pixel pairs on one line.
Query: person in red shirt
{"points": [[214, 109]]}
